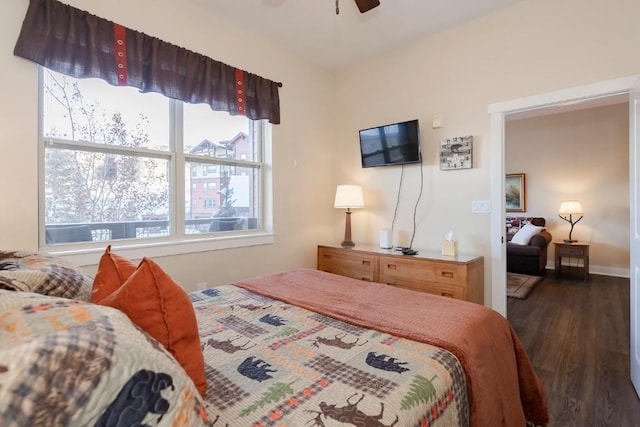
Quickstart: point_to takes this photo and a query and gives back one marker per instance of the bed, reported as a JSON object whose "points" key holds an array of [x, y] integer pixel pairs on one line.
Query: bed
{"points": [[294, 348]]}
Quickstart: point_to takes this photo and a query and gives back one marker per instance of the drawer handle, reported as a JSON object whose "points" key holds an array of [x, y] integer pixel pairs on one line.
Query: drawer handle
{"points": [[366, 262], [326, 256], [391, 266], [447, 274], [445, 294]]}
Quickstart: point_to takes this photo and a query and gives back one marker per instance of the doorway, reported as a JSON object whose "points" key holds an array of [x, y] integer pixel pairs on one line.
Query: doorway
{"points": [[498, 112]]}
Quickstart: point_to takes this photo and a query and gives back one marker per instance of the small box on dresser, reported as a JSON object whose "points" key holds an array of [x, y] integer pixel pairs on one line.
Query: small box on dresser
{"points": [[460, 277]]}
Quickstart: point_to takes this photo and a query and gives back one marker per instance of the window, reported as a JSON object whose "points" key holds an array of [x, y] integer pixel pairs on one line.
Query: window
{"points": [[209, 186], [113, 164]]}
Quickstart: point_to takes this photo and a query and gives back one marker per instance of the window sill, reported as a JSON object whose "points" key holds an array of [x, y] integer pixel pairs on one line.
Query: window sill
{"points": [[84, 256]]}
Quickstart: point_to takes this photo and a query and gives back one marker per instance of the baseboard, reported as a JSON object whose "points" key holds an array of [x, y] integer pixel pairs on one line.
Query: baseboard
{"points": [[608, 271], [600, 269]]}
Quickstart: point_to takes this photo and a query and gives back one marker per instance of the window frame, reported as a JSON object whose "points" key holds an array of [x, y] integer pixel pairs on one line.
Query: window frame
{"points": [[178, 241]]}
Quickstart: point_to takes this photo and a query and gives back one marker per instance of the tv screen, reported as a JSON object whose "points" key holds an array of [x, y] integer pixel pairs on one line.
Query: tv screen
{"points": [[393, 144]]}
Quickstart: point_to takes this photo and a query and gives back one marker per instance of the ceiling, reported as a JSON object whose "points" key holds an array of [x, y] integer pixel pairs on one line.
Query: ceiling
{"points": [[311, 28]]}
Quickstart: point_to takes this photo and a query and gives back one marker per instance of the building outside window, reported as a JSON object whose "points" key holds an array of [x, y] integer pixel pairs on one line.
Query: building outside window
{"points": [[111, 167], [207, 186]]}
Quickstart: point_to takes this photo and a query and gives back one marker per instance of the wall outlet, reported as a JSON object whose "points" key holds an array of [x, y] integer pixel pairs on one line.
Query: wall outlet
{"points": [[201, 285]]}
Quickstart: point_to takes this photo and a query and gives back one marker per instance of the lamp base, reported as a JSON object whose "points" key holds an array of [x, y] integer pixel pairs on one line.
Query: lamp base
{"points": [[570, 241], [347, 242]]}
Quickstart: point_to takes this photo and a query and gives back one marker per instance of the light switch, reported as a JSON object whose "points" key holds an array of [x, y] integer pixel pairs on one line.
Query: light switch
{"points": [[437, 122], [481, 206]]}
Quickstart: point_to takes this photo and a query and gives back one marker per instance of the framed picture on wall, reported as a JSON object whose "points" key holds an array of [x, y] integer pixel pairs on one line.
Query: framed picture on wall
{"points": [[515, 192], [456, 153]]}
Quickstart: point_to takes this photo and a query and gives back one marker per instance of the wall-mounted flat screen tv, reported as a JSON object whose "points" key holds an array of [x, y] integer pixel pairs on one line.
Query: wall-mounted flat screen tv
{"points": [[393, 144]]}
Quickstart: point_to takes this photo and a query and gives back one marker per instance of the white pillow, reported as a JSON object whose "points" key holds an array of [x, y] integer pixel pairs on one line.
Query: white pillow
{"points": [[524, 235]]}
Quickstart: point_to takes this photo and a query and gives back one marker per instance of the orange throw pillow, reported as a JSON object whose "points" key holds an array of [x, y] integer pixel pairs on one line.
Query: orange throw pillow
{"points": [[159, 306], [113, 271]]}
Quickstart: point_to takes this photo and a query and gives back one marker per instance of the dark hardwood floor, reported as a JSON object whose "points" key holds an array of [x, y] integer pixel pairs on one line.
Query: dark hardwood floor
{"points": [[577, 336]]}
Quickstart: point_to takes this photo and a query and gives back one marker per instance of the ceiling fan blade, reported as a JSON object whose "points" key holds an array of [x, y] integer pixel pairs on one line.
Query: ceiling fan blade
{"points": [[366, 5]]}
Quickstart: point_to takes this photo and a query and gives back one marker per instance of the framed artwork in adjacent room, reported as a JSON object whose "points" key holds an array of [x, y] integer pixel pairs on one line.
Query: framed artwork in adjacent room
{"points": [[456, 153], [515, 192]]}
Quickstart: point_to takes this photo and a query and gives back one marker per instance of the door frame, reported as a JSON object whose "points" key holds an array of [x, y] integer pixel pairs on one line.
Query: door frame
{"points": [[634, 235], [498, 113]]}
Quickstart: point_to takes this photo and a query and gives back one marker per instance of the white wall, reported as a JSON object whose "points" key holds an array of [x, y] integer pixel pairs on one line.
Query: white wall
{"points": [[533, 47], [301, 154], [582, 155]]}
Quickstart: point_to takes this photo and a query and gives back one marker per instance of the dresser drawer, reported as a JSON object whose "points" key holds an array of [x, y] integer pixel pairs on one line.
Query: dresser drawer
{"points": [[351, 264], [412, 271], [450, 291]]}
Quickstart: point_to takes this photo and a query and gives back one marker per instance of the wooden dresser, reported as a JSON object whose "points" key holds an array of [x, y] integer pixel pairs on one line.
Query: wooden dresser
{"points": [[460, 276]]}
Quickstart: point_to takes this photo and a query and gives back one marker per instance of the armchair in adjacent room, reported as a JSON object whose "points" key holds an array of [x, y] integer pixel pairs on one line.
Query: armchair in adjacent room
{"points": [[527, 243]]}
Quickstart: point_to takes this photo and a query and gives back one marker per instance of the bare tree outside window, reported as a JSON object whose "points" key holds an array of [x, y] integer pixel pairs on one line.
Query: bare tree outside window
{"points": [[89, 186]]}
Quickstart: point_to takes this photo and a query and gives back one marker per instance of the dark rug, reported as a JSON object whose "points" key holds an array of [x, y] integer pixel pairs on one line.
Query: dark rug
{"points": [[520, 285]]}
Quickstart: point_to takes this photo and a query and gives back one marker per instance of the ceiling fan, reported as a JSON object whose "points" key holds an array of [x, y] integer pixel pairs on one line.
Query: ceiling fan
{"points": [[363, 5]]}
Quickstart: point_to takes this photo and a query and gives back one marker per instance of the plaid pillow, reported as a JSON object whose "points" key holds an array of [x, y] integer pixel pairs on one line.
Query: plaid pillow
{"points": [[515, 223], [44, 274]]}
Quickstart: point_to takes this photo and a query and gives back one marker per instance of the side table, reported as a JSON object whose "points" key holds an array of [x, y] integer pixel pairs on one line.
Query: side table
{"points": [[577, 250]]}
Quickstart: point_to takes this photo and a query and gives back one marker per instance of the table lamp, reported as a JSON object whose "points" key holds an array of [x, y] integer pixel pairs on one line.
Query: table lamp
{"points": [[349, 197], [570, 207]]}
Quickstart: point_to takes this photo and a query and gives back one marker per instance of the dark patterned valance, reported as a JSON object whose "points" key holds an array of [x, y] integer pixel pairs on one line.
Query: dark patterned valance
{"points": [[77, 43]]}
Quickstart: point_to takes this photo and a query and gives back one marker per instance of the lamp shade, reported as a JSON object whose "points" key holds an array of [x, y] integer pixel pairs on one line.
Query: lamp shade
{"points": [[570, 207], [349, 196]]}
